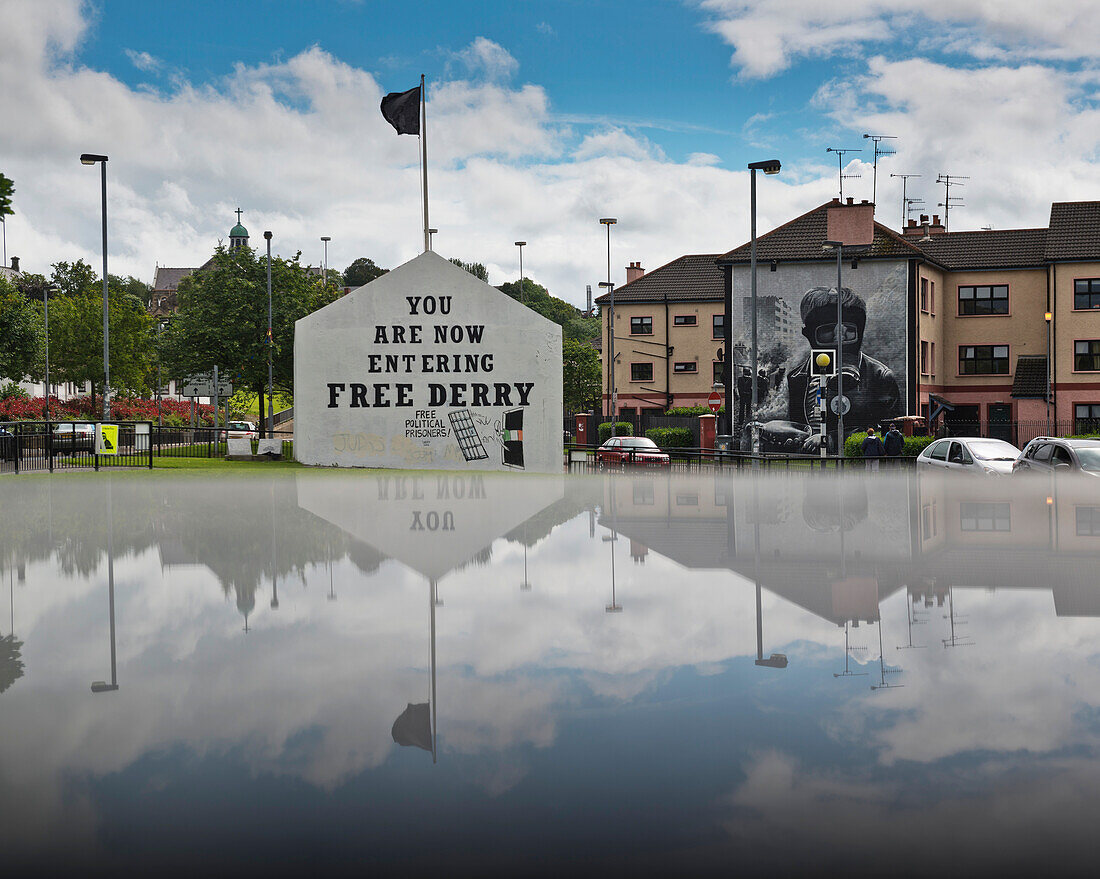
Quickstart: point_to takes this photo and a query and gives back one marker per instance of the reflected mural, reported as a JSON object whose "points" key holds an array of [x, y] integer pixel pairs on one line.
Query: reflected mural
{"points": [[772, 669]]}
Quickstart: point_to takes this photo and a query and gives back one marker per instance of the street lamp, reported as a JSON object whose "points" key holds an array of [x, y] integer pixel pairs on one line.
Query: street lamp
{"points": [[840, 402], [1048, 316], [270, 345], [324, 272], [771, 166], [520, 245], [609, 222], [46, 305], [431, 232], [91, 159], [610, 288]]}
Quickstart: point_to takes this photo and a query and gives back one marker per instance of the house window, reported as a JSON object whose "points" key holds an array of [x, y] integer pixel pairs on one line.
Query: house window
{"points": [[686, 366], [687, 500], [718, 322], [924, 294], [924, 358], [684, 320], [719, 373], [643, 493], [1086, 293], [1086, 355], [932, 297], [932, 358], [983, 360], [985, 517], [1086, 418], [641, 372], [1088, 521], [641, 326], [987, 299]]}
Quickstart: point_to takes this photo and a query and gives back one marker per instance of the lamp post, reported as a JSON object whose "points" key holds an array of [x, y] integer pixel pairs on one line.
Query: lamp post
{"points": [[431, 232], [46, 306], [324, 271], [91, 159], [840, 401], [103, 686], [520, 245], [609, 222], [270, 344], [1048, 317], [771, 166]]}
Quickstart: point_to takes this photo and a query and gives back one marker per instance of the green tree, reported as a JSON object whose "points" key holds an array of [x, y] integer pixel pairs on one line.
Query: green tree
{"points": [[20, 333], [222, 319], [536, 297], [581, 376], [474, 268], [75, 278], [7, 190], [76, 340], [360, 272]]}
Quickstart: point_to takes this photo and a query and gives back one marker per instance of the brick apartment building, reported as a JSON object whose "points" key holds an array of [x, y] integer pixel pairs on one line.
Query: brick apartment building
{"points": [[967, 317]]}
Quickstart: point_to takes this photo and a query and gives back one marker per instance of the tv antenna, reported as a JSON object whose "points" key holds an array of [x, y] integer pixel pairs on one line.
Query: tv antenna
{"points": [[949, 200], [848, 673], [840, 167], [883, 670], [905, 202], [879, 151]]}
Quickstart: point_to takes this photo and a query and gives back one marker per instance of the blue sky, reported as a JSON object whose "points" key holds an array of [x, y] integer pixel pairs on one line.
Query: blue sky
{"points": [[542, 118]]}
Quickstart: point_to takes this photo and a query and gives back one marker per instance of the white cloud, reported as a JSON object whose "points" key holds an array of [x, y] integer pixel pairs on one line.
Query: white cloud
{"points": [[488, 59], [144, 61]]}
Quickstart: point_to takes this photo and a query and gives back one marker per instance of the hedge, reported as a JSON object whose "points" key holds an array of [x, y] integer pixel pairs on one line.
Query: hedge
{"points": [[671, 437], [692, 410], [912, 448], [622, 428]]}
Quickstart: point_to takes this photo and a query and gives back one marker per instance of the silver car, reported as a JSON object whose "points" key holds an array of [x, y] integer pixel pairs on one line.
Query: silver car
{"points": [[971, 454]]}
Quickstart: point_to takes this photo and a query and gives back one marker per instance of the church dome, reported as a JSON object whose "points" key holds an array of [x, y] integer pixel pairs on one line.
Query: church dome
{"points": [[238, 231]]}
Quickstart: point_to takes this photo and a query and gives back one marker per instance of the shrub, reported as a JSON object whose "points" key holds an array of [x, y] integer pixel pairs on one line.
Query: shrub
{"points": [[622, 428], [913, 445], [692, 410], [12, 391], [671, 437]]}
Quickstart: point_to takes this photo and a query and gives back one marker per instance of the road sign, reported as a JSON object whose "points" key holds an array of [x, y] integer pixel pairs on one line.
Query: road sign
{"points": [[106, 440], [203, 386], [714, 401]]}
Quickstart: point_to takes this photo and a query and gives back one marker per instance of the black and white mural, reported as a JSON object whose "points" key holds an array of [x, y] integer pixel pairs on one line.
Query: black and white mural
{"points": [[797, 312]]}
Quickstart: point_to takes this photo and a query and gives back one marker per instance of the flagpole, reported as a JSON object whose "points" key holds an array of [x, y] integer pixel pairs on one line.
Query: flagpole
{"points": [[424, 157]]}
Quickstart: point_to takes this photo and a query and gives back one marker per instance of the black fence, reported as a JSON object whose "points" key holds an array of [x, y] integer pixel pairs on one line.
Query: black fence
{"points": [[45, 447], [584, 459], [207, 442]]}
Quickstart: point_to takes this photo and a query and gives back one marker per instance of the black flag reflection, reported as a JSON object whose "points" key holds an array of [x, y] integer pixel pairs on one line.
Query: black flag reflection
{"points": [[413, 727]]}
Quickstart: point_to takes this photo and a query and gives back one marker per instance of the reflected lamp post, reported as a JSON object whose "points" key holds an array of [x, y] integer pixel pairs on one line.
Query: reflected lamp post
{"points": [[92, 159], [609, 222], [771, 166], [103, 686]]}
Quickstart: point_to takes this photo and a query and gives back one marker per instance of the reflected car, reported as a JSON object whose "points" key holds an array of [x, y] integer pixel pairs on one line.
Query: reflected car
{"points": [[969, 454], [1046, 454], [69, 436], [626, 451], [8, 445]]}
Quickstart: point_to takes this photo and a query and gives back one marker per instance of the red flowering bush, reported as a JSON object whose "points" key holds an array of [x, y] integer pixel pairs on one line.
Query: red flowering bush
{"points": [[85, 408]]}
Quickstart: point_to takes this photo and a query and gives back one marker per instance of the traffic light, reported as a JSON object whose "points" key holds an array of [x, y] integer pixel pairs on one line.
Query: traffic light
{"points": [[822, 362]]}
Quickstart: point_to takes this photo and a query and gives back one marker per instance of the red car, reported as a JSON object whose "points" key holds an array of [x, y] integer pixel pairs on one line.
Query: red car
{"points": [[626, 451]]}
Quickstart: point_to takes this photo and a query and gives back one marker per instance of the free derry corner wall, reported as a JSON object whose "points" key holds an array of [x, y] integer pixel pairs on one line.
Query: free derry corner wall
{"points": [[428, 367]]}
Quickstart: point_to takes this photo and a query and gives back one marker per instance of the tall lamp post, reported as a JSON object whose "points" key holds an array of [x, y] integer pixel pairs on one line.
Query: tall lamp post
{"points": [[771, 166], [431, 234], [46, 306], [270, 345], [1048, 316], [91, 159], [520, 245], [840, 401], [609, 222], [324, 272]]}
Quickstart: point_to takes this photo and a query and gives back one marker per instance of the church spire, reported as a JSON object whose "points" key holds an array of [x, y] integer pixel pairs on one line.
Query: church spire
{"points": [[238, 235]]}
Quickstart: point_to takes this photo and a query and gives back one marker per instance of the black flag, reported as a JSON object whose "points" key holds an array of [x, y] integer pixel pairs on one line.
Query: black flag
{"points": [[402, 110], [414, 726]]}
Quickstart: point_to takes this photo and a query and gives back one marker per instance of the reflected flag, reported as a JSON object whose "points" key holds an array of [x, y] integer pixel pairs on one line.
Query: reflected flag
{"points": [[402, 111], [413, 726], [512, 438]]}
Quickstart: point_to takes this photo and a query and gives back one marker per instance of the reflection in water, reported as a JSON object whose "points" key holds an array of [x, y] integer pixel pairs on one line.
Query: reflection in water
{"points": [[563, 734]]}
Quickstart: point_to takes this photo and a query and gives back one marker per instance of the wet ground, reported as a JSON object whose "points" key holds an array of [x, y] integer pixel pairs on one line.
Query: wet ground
{"points": [[467, 675]]}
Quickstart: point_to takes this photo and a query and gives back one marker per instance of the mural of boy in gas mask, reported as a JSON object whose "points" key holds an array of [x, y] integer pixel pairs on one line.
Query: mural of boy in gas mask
{"points": [[869, 385]]}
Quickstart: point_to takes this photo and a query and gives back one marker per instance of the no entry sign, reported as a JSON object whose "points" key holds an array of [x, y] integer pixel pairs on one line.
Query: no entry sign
{"points": [[714, 401]]}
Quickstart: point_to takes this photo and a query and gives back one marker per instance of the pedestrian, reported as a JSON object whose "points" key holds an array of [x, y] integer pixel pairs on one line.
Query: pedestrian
{"points": [[872, 450], [744, 396], [893, 442]]}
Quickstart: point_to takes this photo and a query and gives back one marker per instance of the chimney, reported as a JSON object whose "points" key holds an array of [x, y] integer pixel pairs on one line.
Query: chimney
{"points": [[15, 264], [923, 219], [851, 200], [913, 230], [634, 271], [851, 224], [936, 226]]}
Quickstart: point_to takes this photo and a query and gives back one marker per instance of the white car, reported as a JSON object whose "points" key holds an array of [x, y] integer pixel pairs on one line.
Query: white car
{"points": [[240, 430], [970, 454]]}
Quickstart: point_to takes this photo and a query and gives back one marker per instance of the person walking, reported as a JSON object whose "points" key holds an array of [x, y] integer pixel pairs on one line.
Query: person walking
{"points": [[873, 449], [893, 442]]}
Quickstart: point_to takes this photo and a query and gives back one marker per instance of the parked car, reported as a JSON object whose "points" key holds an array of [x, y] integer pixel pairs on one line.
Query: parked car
{"points": [[8, 445], [623, 451], [69, 436], [1045, 454], [240, 430], [972, 454]]}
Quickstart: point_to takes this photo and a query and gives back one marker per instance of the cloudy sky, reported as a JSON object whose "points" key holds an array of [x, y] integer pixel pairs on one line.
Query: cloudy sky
{"points": [[542, 118]]}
